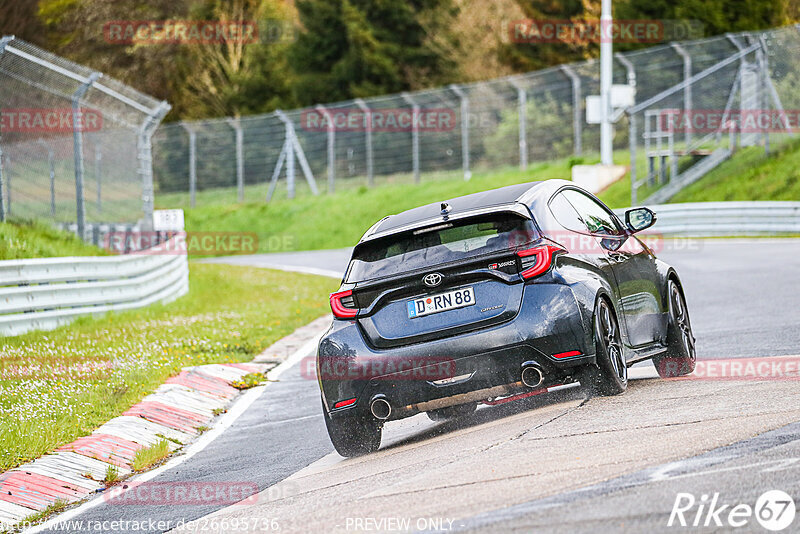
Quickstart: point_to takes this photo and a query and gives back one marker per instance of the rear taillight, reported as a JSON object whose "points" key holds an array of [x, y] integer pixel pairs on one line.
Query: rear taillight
{"points": [[343, 304], [537, 261]]}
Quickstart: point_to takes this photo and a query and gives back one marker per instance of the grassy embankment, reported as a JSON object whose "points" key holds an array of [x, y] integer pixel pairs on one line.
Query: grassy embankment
{"points": [[60, 385], [338, 220]]}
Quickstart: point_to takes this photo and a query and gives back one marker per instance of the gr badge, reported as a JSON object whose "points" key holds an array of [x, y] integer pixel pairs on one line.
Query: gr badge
{"points": [[494, 266]]}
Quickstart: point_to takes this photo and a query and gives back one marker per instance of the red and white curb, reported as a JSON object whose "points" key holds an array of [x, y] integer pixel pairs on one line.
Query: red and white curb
{"points": [[177, 411]]}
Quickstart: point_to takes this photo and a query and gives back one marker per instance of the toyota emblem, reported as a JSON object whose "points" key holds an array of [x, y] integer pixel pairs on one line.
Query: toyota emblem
{"points": [[432, 279]]}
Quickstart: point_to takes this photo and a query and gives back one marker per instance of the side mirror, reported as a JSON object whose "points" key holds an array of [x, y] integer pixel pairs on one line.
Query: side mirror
{"points": [[638, 219]]}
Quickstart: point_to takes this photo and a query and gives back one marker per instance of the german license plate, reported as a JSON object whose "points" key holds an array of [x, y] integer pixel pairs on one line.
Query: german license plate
{"points": [[442, 302]]}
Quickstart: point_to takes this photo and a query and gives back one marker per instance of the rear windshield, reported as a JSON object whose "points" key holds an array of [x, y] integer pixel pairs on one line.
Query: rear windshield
{"points": [[435, 245]]}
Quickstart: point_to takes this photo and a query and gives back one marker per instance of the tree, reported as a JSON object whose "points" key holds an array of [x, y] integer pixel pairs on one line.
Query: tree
{"points": [[237, 77], [359, 48], [21, 20]]}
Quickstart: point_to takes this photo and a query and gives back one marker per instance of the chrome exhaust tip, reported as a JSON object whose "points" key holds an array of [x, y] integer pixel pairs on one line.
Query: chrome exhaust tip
{"points": [[380, 407], [532, 375]]}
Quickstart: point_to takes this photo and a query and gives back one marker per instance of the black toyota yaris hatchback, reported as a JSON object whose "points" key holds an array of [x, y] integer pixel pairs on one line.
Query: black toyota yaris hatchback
{"points": [[492, 295]]}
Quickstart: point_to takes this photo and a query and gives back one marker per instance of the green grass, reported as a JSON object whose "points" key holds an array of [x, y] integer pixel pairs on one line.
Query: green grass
{"points": [[249, 381], [57, 386], [112, 475], [149, 456], [333, 221], [22, 239], [750, 175]]}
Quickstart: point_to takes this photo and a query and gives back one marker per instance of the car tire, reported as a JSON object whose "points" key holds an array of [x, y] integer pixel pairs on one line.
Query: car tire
{"points": [[609, 375], [680, 357], [354, 435], [452, 412]]}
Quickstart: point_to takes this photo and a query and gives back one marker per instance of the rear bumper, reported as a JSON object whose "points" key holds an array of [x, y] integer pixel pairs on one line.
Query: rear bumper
{"points": [[550, 322]]}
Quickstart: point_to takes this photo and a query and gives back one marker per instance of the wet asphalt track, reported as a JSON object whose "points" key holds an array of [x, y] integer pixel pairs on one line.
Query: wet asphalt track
{"points": [[744, 299]]}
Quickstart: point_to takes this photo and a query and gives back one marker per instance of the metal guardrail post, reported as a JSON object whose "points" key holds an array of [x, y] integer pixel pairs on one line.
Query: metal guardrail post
{"points": [[192, 163], [77, 147], [522, 105], [577, 119], [687, 90], [462, 96], [145, 157], [368, 133], [331, 129], [3, 42], [414, 135], [236, 124]]}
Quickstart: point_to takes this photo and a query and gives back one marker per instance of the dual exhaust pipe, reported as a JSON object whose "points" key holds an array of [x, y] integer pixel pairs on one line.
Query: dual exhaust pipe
{"points": [[531, 376]]}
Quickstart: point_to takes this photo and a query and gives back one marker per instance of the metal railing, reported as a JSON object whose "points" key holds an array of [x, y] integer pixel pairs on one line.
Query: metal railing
{"points": [[726, 219], [43, 294], [513, 121], [75, 146]]}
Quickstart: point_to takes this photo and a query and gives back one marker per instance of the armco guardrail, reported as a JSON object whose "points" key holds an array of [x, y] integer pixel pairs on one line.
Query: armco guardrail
{"points": [[709, 219], [42, 294]]}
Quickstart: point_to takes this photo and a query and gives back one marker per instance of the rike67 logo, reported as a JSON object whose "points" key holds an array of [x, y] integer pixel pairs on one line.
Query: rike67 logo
{"points": [[774, 510]]}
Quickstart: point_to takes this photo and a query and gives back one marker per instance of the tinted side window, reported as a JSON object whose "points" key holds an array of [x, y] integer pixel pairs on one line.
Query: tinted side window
{"points": [[565, 214], [597, 219]]}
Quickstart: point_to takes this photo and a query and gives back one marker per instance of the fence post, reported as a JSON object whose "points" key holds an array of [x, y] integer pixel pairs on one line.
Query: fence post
{"points": [[52, 165], [288, 151], [236, 124], [462, 96], [687, 90], [762, 69], [145, 158], [77, 148], [632, 144], [414, 135], [98, 156], [629, 68], [522, 105], [331, 147], [742, 62], [577, 119], [368, 114], [8, 184], [3, 42], [291, 149], [192, 163]]}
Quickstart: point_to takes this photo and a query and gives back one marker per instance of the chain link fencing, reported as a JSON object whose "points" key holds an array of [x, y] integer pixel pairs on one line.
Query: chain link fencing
{"points": [[75, 146], [453, 131]]}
